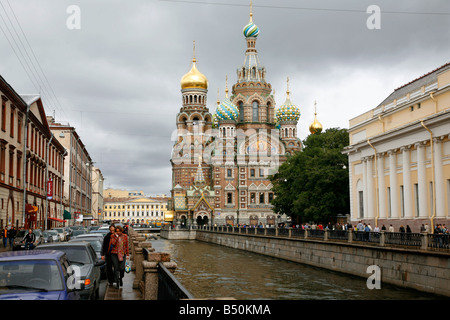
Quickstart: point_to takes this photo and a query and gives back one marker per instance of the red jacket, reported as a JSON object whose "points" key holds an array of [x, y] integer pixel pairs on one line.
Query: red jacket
{"points": [[113, 248]]}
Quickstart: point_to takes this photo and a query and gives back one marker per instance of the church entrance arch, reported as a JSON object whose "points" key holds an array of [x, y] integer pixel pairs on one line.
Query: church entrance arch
{"points": [[202, 219], [271, 220]]}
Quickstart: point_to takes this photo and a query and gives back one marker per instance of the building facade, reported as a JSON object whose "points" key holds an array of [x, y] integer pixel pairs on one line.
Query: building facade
{"points": [[399, 156], [28, 153], [131, 210], [97, 194], [77, 170], [221, 161]]}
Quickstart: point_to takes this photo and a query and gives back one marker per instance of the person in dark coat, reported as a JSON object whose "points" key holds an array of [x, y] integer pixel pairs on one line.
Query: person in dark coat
{"points": [[106, 255]]}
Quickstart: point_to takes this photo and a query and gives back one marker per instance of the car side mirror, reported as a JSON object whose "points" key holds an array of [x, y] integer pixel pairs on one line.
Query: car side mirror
{"points": [[99, 263]]}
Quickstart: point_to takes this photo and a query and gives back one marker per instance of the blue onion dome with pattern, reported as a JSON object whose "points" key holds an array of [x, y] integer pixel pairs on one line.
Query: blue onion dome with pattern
{"points": [[288, 112], [251, 30], [227, 111]]}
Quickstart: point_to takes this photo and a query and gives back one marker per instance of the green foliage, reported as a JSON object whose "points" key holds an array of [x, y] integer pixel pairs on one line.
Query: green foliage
{"points": [[313, 184]]}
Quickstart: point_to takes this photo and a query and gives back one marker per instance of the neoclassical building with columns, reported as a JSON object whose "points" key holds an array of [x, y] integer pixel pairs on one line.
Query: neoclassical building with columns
{"points": [[399, 156]]}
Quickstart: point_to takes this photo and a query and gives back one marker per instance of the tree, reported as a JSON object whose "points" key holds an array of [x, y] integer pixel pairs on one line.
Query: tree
{"points": [[313, 184]]}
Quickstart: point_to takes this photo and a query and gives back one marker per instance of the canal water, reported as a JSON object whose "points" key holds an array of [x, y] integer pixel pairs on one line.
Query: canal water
{"points": [[212, 271]]}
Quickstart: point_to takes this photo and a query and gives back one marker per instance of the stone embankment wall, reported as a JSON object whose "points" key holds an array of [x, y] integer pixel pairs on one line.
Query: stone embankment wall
{"points": [[417, 269]]}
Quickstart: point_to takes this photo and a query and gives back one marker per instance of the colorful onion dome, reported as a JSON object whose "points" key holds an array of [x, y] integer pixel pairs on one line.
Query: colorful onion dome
{"points": [[251, 30], [227, 111], [288, 111]]}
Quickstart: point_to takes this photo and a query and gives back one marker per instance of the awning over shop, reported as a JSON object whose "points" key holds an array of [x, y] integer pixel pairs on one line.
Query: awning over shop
{"points": [[56, 219], [67, 215]]}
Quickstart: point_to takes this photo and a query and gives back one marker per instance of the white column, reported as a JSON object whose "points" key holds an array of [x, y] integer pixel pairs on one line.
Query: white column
{"points": [[381, 187], [407, 187], [365, 188], [422, 181], [393, 184], [370, 189], [439, 179]]}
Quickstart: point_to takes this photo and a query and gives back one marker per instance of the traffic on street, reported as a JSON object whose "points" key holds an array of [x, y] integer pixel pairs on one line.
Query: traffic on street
{"points": [[63, 263]]}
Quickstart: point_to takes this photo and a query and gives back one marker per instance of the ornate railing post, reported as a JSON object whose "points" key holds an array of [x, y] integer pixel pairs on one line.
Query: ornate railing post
{"points": [[326, 234], [350, 235], [306, 233], [424, 240], [382, 239]]}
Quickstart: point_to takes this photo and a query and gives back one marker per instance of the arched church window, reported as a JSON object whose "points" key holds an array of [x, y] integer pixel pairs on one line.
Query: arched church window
{"points": [[241, 111], [255, 111]]}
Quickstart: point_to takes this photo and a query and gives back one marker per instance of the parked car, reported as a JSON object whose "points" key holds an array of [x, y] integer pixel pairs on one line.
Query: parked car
{"points": [[18, 242], [50, 236], [62, 233], [36, 275], [76, 233], [96, 243], [83, 255], [97, 235], [103, 232]]}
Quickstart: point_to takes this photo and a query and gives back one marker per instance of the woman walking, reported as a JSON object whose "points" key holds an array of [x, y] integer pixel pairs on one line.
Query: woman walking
{"points": [[106, 255], [119, 254]]}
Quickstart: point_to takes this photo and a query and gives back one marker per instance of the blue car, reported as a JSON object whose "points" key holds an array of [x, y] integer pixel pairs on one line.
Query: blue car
{"points": [[37, 275]]}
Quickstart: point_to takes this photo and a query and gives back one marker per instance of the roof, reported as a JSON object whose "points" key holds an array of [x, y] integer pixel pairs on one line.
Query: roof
{"points": [[30, 255], [65, 244], [416, 84]]}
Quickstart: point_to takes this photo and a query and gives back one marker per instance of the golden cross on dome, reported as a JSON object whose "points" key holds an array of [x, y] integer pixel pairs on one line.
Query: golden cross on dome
{"points": [[315, 107], [287, 91], [251, 10], [194, 60], [226, 86]]}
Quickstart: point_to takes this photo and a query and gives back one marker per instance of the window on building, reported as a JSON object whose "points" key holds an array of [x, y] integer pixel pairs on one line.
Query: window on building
{"points": [[252, 172], [262, 197], [255, 114], [252, 197], [261, 172], [402, 194], [270, 197], [229, 173], [241, 111], [229, 198]]}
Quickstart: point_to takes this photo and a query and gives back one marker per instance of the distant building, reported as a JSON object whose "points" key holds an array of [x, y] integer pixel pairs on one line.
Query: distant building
{"points": [[399, 156], [77, 171], [97, 194], [120, 193], [135, 210], [28, 153]]}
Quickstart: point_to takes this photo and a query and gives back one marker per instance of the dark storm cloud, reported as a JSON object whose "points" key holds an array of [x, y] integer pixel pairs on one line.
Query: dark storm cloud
{"points": [[118, 78]]}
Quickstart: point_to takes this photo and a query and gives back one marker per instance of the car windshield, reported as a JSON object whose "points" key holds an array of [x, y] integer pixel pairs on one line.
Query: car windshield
{"points": [[59, 230], [78, 232], [76, 255], [52, 232], [37, 232], [30, 275]]}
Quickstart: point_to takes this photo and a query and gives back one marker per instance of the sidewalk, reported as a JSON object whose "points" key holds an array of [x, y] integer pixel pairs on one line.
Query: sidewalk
{"points": [[124, 293]]}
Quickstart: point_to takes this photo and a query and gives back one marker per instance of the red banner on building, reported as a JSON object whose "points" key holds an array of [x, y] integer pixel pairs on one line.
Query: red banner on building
{"points": [[50, 190]]}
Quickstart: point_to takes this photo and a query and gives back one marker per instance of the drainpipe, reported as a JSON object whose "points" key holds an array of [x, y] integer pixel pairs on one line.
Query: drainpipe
{"points": [[433, 209], [376, 184], [61, 182]]}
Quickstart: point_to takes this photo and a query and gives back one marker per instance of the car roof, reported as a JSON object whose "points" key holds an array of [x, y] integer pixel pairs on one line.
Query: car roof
{"points": [[65, 244], [31, 255]]}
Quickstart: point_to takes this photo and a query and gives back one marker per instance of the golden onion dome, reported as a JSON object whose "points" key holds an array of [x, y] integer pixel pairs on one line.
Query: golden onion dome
{"points": [[316, 126], [194, 78]]}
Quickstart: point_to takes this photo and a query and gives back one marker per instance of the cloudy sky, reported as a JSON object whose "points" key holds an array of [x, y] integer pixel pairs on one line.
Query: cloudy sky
{"points": [[116, 79]]}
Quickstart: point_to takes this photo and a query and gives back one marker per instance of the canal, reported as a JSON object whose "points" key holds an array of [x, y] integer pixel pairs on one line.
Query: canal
{"points": [[213, 271]]}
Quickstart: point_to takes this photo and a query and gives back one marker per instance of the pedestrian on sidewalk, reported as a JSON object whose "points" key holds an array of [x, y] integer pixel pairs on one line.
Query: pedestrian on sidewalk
{"points": [[119, 254], [106, 255], [5, 237], [12, 234]]}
